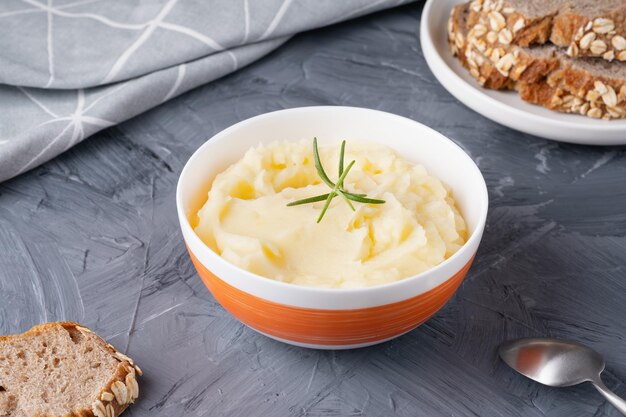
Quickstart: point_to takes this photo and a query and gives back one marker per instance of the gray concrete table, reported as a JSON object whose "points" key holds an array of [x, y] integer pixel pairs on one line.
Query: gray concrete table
{"points": [[92, 236]]}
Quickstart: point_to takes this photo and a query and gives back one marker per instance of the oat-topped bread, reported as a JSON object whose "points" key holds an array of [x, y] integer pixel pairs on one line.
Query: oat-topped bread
{"points": [[64, 370], [595, 89], [543, 75], [593, 28]]}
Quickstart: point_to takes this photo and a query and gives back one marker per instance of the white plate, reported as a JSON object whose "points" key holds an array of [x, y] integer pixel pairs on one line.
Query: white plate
{"points": [[505, 108]]}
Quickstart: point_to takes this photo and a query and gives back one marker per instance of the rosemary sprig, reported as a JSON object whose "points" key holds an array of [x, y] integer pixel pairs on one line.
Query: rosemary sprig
{"points": [[337, 189]]}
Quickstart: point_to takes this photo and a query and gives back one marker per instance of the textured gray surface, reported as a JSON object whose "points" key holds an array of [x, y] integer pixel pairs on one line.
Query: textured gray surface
{"points": [[92, 236]]}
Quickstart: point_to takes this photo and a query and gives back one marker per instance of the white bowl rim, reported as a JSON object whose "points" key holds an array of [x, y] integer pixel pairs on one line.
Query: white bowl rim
{"points": [[473, 241]]}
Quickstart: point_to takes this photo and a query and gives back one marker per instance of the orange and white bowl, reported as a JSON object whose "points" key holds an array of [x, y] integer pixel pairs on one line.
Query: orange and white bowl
{"points": [[321, 317]]}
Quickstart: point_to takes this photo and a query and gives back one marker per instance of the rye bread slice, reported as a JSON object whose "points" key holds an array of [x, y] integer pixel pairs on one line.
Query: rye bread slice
{"points": [[584, 28], [543, 75], [63, 369]]}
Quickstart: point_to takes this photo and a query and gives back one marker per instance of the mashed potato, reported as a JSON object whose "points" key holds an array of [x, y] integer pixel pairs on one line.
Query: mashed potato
{"points": [[246, 219]]}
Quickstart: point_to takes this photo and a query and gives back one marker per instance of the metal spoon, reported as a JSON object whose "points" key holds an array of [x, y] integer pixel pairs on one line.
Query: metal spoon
{"points": [[558, 363]]}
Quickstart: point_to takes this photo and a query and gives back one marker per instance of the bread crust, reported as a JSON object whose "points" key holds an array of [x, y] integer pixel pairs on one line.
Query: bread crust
{"points": [[549, 78], [602, 35], [118, 393]]}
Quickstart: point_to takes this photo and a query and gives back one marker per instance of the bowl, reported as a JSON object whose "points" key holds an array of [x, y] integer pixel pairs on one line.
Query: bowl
{"points": [[327, 318]]}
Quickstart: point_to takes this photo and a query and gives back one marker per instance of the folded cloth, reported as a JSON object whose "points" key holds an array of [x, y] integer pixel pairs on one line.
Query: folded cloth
{"points": [[70, 68]]}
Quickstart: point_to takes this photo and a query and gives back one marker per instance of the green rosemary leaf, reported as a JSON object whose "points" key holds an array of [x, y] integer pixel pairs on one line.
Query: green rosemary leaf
{"points": [[319, 167], [346, 199], [364, 200], [341, 154], [325, 208], [308, 200], [336, 191], [343, 175], [337, 188]]}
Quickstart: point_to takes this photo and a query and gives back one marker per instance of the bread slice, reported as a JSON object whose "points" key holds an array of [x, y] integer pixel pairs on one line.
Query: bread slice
{"points": [[585, 28], [63, 369], [594, 89], [543, 75]]}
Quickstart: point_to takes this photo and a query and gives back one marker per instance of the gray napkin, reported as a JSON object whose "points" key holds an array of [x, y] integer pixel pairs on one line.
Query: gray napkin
{"points": [[69, 68]]}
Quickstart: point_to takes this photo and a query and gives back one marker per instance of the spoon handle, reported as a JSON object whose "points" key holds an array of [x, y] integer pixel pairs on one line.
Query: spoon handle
{"points": [[611, 397]]}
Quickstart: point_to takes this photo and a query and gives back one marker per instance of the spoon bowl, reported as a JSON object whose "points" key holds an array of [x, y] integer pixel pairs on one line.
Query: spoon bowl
{"points": [[552, 362], [558, 363]]}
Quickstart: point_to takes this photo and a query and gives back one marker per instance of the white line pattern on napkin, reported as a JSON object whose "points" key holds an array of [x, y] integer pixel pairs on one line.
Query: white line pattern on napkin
{"points": [[50, 50], [142, 38], [279, 15], [73, 67], [179, 79]]}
